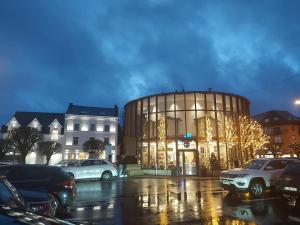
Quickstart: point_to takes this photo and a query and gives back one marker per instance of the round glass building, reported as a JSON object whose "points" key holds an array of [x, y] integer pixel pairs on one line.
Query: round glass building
{"points": [[185, 131]]}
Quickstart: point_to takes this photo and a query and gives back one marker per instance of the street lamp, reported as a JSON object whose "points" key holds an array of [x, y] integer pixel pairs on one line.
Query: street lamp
{"points": [[297, 102]]}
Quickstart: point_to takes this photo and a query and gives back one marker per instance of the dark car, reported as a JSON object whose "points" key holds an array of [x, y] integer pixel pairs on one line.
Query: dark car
{"points": [[288, 184], [42, 178], [39, 202], [12, 216]]}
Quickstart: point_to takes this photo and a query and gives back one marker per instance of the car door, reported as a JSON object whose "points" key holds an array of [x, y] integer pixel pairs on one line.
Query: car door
{"points": [[87, 169], [275, 168]]}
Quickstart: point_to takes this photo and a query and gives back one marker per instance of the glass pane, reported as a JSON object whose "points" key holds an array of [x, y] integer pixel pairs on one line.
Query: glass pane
{"points": [[138, 120], [152, 124], [219, 102], [171, 157], [161, 135], [234, 104], [227, 99], [153, 161], [145, 106], [170, 125], [190, 163], [180, 119], [152, 105], [191, 124], [145, 125], [179, 101], [201, 126], [181, 163], [170, 103], [200, 104], [132, 124], [210, 101], [145, 155], [161, 103], [190, 101]]}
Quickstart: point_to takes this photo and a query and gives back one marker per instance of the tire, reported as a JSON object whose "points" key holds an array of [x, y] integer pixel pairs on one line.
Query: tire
{"points": [[107, 175], [257, 189]]}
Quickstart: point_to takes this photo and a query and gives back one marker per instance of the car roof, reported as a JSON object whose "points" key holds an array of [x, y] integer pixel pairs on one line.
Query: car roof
{"points": [[30, 166]]}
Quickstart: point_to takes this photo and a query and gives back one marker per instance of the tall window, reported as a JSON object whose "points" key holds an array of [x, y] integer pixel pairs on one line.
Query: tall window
{"points": [[75, 140], [106, 141], [54, 135], [106, 128], [92, 127], [76, 126]]}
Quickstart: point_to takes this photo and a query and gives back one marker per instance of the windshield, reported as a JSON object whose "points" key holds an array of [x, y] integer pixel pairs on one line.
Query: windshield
{"points": [[254, 164]]}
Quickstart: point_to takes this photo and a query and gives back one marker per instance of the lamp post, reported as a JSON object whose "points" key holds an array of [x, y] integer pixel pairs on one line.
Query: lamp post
{"points": [[297, 102]]}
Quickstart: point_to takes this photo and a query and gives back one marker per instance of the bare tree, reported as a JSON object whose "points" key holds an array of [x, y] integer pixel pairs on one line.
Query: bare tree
{"points": [[275, 149], [48, 148], [24, 139], [5, 146]]}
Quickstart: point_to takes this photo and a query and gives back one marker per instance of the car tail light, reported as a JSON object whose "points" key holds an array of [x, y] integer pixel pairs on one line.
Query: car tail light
{"points": [[70, 184]]}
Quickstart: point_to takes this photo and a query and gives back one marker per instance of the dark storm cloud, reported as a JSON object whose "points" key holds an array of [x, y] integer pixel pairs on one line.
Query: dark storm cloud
{"points": [[108, 52]]}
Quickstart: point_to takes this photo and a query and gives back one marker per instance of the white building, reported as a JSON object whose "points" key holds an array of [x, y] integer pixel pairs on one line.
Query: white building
{"points": [[83, 123], [71, 129], [51, 126]]}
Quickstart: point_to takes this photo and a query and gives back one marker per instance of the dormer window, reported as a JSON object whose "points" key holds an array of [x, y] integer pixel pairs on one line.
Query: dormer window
{"points": [[267, 120]]}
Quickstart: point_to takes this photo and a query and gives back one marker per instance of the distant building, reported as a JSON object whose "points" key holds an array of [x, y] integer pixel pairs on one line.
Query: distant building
{"points": [[71, 130], [84, 123], [51, 126], [282, 126]]}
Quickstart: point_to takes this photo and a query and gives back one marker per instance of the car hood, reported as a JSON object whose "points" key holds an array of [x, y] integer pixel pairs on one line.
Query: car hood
{"points": [[237, 171], [35, 196]]}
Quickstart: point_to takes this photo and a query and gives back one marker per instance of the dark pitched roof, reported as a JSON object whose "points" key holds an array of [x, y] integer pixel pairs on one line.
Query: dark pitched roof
{"points": [[276, 117], [92, 111], [45, 119]]}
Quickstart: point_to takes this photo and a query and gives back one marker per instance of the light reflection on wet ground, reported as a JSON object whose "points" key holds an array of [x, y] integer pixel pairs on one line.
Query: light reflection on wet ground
{"points": [[171, 201]]}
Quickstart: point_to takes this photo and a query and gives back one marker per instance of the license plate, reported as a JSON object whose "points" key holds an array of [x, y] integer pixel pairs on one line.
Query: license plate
{"points": [[290, 189]]}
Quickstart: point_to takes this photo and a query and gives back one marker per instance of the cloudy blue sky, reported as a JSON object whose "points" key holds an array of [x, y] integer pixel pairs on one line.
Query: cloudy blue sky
{"points": [[102, 53]]}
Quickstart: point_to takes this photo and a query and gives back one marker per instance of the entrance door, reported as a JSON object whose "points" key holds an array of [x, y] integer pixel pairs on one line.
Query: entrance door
{"points": [[187, 162]]}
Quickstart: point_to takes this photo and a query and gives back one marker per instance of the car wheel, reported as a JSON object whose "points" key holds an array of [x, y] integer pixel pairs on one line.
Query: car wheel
{"points": [[257, 189], [106, 175]]}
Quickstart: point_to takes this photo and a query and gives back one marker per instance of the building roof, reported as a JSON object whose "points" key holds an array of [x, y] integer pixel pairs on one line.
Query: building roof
{"points": [[92, 111], [276, 117], [45, 119]]}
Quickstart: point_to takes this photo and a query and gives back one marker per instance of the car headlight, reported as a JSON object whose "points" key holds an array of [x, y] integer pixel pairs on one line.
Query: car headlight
{"points": [[242, 175]]}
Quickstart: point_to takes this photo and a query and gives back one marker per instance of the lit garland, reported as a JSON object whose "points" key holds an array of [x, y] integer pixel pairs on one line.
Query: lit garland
{"points": [[209, 130]]}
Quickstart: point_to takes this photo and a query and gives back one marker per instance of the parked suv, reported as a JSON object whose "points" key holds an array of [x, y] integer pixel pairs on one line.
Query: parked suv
{"points": [[92, 168], [40, 177], [255, 176]]}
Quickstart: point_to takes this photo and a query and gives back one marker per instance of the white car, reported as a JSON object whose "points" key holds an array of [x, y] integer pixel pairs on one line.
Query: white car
{"points": [[255, 176], [91, 168]]}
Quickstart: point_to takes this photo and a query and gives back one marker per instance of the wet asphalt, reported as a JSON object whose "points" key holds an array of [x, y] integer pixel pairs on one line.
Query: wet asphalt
{"points": [[137, 201]]}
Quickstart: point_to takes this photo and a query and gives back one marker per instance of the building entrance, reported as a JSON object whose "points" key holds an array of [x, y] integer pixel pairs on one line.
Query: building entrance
{"points": [[187, 162]]}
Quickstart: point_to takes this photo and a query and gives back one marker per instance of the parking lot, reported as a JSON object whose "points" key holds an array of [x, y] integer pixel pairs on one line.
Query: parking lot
{"points": [[172, 201]]}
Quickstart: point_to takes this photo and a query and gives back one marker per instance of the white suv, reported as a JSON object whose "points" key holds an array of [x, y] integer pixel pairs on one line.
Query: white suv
{"points": [[255, 176], [91, 168]]}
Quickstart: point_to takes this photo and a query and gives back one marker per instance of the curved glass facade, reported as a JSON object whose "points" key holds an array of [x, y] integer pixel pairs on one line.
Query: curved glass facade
{"points": [[183, 130]]}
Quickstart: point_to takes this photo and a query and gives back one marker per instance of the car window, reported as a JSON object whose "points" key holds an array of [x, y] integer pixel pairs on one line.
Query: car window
{"points": [[87, 163], [255, 164], [4, 171], [102, 162], [293, 168], [30, 173], [276, 165]]}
